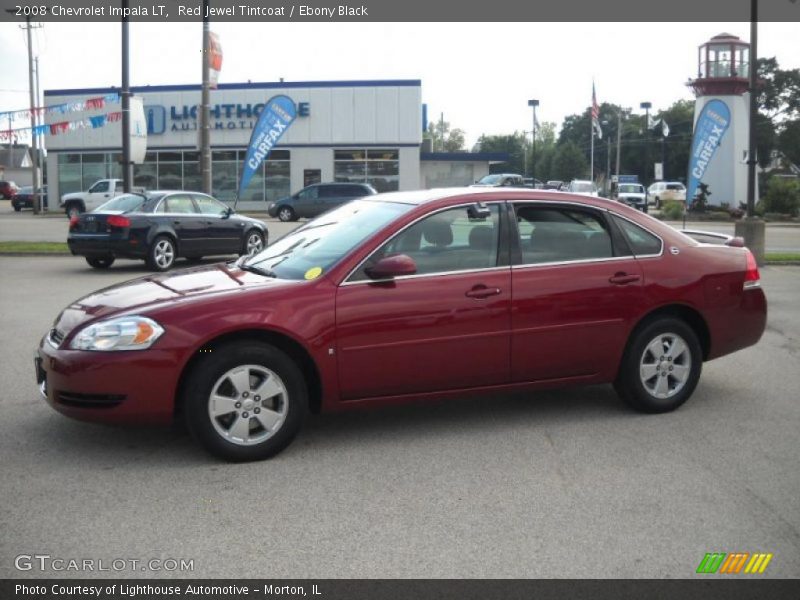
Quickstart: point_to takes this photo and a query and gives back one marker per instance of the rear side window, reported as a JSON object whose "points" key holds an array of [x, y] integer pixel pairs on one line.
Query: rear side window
{"points": [[641, 241], [549, 235], [180, 204], [331, 191]]}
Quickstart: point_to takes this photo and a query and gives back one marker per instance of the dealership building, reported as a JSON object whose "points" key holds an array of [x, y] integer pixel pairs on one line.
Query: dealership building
{"points": [[366, 131]]}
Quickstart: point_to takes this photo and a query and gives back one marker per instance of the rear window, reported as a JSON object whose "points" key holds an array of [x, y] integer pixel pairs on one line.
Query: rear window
{"points": [[675, 187], [124, 203]]}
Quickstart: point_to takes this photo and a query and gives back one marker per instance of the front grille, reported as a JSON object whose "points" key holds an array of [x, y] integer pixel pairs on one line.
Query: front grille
{"points": [[56, 337], [89, 400]]}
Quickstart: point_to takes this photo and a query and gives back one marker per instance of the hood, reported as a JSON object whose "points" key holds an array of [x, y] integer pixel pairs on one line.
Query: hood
{"points": [[139, 295], [73, 196], [631, 194]]}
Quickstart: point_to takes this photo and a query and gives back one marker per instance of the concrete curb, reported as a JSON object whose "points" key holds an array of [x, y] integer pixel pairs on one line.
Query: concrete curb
{"points": [[18, 254]]}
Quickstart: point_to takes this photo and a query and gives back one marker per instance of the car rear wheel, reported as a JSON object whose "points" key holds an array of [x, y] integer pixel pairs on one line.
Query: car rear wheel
{"points": [[162, 254], [245, 401], [286, 214], [661, 366], [17, 208], [253, 243], [100, 262]]}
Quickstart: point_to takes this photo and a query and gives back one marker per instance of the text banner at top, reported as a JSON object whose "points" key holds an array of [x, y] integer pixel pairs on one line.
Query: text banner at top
{"points": [[670, 13]]}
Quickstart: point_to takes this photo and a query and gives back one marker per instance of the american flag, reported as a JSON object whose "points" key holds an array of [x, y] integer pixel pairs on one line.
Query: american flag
{"points": [[596, 114]]}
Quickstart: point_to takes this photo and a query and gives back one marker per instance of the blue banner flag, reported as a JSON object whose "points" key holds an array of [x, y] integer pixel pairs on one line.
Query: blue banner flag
{"points": [[711, 125], [275, 118]]}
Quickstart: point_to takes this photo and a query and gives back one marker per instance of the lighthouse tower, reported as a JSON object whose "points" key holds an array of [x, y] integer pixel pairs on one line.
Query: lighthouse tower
{"points": [[723, 69]]}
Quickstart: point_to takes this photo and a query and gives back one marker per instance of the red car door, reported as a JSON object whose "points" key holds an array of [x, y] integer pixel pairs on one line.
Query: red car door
{"points": [[447, 327], [575, 293]]}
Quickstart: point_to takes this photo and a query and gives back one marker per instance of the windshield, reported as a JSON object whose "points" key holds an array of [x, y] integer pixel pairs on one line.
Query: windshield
{"points": [[631, 189], [27, 189], [491, 179], [314, 248], [124, 203]]}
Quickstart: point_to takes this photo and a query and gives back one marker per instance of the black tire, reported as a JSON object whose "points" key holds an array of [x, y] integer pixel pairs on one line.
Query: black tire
{"points": [[100, 262], [162, 253], [17, 208], [211, 375], [631, 383], [286, 214], [658, 203], [73, 209], [249, 244]]}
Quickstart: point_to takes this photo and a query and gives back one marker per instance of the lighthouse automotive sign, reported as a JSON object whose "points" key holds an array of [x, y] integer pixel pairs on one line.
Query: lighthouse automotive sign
{"points": [[711, 125]]}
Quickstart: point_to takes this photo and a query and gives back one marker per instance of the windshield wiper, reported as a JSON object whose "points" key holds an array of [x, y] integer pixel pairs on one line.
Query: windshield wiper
{"points": [[259, 270]]}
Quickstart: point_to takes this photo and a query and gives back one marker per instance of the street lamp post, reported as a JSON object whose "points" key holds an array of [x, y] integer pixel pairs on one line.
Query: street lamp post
{"points": [[533, 104], [646, 106]]}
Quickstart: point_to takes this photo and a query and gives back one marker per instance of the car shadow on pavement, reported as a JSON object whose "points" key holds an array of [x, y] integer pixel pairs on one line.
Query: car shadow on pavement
{"points": [[418, 423]]}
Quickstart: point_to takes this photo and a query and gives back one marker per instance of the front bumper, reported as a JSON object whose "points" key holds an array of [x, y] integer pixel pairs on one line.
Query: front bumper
{"points": [[133, 387]]}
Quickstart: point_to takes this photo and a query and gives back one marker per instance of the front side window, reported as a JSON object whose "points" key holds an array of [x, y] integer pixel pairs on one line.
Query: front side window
{"points": [[208, 206], [457, 239], [309, 193], [548, 235], [99, 187]]}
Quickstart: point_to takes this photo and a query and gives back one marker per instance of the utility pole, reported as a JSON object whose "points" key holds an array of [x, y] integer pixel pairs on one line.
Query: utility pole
{"points": [[125, 94], [533, 104], [37, 200], [38, 103], [619, 138], [205, 101], [646, 106]]}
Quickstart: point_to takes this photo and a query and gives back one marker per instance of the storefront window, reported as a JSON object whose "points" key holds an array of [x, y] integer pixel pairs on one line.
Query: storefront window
{"points": [[378, 167]]}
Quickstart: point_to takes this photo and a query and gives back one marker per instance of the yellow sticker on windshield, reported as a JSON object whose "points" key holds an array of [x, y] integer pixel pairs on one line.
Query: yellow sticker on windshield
{"points": [[313, 273]]}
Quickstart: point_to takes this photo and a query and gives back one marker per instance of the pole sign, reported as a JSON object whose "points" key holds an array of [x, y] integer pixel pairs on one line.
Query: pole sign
{"points": [[275, 119], [711, 125]]}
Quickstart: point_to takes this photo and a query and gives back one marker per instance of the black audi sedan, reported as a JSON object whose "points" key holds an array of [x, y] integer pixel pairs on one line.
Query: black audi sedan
{"points": [[160, 227]]}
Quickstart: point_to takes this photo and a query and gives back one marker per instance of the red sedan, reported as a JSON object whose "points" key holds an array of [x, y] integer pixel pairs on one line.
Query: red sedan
{"points": [[405, 296]]}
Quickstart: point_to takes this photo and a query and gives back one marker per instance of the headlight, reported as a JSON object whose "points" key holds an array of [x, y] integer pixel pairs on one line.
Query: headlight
{"points": [[122, 333]]}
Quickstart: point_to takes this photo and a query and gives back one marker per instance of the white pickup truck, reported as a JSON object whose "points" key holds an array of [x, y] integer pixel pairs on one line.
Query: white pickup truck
{"points": [[101, 191]]}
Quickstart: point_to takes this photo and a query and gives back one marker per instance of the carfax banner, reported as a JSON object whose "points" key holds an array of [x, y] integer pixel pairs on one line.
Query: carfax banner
{"points": [[711, 125], [279, 112]]}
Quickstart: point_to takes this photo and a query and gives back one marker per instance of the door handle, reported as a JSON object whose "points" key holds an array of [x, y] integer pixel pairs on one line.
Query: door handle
{"points": [[479, 292], [178, 223], [622, 278]]}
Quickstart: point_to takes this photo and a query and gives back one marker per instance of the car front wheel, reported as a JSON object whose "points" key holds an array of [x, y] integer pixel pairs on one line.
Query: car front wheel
{"points": [[245, 401], [661, 366], [286, 214], [162, 254], [253, 243]]}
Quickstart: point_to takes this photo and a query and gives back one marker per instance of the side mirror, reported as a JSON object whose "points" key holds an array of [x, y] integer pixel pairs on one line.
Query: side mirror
{"points": [[227, 212], [392, 266]]}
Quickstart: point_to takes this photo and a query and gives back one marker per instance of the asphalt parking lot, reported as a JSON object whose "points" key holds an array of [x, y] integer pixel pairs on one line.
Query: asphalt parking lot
{"points": [[556, 484]]}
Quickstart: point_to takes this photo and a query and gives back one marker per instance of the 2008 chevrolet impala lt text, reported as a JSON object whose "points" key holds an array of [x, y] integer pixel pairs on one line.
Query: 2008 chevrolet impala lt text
{"points": [[406, 296]]}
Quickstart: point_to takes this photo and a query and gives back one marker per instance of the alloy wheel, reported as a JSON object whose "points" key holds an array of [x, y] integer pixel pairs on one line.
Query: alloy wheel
{"points": [[665, 365]]}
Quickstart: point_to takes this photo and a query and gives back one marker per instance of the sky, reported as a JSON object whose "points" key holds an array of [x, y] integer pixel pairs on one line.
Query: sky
{"points": [[480, 75]]}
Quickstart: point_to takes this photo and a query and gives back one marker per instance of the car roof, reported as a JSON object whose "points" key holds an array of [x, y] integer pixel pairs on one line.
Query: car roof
{"points": [[420, 197]]}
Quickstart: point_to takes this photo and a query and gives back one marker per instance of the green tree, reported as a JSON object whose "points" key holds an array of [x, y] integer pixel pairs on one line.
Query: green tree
{"points": [[789, 140], [515, 145], [779, 105], [444, 138], [569, 162]]}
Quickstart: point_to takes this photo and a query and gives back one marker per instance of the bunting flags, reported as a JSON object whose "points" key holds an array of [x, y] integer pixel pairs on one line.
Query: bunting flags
{"points": [[64, 108], [65, 126]]}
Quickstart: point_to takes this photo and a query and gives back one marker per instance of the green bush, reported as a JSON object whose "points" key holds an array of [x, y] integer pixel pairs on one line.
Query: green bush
{"points": [[672, 210], [783, 196]]}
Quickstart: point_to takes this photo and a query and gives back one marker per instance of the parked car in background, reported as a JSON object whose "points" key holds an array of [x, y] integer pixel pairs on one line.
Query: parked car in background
{"points": [[8, 189], [318, 198], [532, 182], [407, 296], [99, 192], [580, 186], [24, 197], [159, 227], [553, 184], [500, 180], [632, 194], [664, 191]]}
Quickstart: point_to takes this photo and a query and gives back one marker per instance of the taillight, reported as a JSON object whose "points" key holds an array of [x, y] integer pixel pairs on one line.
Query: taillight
{"points": [[118, 221], [751, 276], [73, 221]]}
